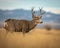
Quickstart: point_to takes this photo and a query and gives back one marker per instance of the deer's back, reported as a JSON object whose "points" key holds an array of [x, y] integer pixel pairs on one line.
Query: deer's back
{"points": [[17, 25]]}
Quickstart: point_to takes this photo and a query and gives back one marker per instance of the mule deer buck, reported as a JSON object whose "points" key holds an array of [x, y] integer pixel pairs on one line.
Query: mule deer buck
{"points": [[22, 25]]}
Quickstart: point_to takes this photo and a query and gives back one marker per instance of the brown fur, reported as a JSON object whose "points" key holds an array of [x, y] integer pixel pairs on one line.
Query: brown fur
{"points": [[22, 25]]}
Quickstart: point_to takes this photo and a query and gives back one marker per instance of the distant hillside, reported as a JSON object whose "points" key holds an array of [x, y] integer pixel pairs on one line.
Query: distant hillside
{"points": [[26, 14]]}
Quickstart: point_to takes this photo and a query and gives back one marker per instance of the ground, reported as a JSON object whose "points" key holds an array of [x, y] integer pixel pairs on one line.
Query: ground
{"points": [[36, 38]]}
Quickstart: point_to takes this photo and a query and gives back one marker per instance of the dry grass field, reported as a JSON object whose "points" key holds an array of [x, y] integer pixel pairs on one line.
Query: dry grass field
{"points": [[37, 38]]}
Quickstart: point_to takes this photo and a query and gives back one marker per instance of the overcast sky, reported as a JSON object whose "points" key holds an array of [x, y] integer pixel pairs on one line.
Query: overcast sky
{"points": [[48, 5]]}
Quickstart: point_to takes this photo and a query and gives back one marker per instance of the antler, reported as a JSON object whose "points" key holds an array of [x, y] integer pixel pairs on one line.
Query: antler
{"points": [[33, 12], [41, 13], [40, 9]]}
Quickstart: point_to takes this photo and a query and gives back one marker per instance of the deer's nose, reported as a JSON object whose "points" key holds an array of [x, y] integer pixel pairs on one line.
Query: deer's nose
{"points": [[41, 22]]}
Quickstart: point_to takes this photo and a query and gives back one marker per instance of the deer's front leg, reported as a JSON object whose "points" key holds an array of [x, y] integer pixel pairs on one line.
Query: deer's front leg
{"points": [[23, 29]]}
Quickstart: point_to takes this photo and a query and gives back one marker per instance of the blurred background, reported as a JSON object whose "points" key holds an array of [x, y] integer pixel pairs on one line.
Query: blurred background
{"points": [[21, 9], [38, 37]]}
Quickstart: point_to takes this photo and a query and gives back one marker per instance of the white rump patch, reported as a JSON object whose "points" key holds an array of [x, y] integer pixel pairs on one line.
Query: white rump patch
{"points": [[5, 24]]}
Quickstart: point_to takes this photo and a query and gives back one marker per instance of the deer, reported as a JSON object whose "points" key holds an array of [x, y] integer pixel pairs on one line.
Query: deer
{"points": [[23, 26]]}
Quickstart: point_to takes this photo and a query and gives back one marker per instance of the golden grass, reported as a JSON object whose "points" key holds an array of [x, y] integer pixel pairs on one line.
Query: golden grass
{"points": [[37, 38]]}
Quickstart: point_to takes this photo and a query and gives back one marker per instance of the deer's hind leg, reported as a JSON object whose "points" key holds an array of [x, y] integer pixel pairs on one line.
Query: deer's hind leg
{"points": [[24, 31]]}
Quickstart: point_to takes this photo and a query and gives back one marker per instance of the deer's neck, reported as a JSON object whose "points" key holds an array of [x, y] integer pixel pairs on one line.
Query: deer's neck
{"points": [[32, 24]]}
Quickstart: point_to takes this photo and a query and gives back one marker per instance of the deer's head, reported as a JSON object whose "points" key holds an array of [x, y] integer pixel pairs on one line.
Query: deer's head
{"points": [[37, 19]]}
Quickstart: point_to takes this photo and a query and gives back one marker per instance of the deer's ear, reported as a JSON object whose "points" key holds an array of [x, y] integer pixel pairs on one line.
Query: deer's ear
{"points": [[40, 17]]}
